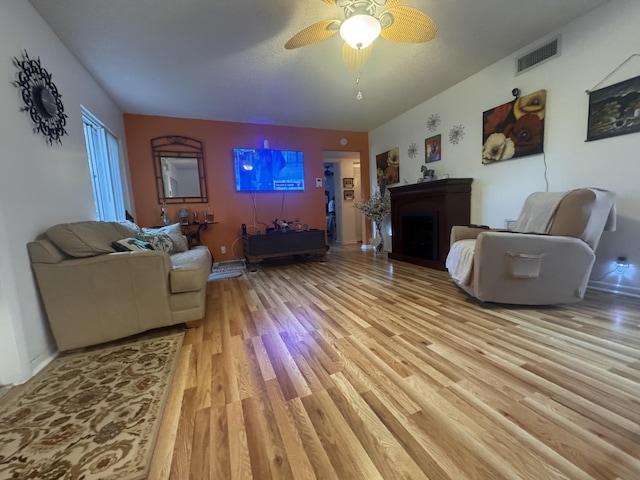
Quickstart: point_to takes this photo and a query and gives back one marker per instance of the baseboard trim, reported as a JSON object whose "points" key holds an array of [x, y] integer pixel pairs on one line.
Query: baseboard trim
{"points": [[36, 367], [615, 289]]}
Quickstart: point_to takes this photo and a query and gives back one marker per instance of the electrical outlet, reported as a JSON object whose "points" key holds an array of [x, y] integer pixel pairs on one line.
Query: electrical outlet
{"points": [[318, 183], [223, 249]]}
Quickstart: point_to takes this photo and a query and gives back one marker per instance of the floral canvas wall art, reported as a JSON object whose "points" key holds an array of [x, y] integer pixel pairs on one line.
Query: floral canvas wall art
{"points": [[388, 168], [515, 129], [614, 110]]}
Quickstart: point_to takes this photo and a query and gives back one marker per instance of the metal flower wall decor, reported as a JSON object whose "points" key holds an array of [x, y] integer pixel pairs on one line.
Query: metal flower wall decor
{"points": [[433, 122], [413, 150], [514, 129], [456, 134], [41, 98]]}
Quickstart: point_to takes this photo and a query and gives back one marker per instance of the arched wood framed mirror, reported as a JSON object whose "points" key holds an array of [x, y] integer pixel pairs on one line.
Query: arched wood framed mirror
{"points": [[178, 164]]}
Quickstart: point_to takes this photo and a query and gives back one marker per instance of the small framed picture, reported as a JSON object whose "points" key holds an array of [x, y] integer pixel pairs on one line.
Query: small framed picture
{"points": [[348, 194], [432, 149], [347, 183]]}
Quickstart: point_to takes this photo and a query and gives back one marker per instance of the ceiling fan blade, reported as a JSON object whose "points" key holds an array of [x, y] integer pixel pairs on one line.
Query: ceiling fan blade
{"points": [[407, 25], [313, 33], [391, 3], [355, 58]]}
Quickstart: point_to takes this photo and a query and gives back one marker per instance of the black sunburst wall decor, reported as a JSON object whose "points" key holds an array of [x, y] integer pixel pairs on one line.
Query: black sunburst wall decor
{"points": [[41, 98]]}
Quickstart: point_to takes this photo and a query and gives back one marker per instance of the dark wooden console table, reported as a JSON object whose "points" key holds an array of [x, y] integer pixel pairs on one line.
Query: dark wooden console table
{"points": [[283, 244], [422, 216], [192, 232]]}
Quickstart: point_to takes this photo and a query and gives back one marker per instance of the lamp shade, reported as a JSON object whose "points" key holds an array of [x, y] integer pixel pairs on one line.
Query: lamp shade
{"points": [[359, 31]]}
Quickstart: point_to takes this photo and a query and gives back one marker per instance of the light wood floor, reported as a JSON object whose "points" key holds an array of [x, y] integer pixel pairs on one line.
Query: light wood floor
{"points": [[365, 368]]}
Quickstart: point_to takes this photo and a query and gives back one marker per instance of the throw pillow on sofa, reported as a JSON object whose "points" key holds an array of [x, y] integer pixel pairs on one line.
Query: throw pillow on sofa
{"points": [[174, 231], [160, 242], [131, 245]]}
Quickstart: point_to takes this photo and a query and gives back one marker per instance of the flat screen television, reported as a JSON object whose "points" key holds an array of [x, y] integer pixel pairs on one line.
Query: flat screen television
{"points": [[262, 170]]}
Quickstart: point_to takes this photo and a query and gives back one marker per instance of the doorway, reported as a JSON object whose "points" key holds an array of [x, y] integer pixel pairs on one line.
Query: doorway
{"points": [[342, 185]]}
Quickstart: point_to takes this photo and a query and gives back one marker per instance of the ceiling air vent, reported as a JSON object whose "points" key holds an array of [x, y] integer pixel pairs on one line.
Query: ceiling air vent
{"points": [[539, 55]]}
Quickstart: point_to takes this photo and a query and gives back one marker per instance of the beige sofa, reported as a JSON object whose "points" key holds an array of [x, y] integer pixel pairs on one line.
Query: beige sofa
{"points": [[548, 257], [93, 293]]}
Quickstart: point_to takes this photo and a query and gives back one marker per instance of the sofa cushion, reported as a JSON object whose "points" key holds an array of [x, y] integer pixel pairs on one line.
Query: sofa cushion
{"points": [[87, 239], [190, 270], [131, 244], [174, 231]]}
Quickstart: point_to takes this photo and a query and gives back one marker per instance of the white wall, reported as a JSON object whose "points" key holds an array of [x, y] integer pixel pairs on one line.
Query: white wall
{"points": [[592, 47], [40, 185]]}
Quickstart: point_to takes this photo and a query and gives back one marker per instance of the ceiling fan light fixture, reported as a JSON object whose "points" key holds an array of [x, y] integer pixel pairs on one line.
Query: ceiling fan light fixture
{"points": [[359, 31]]}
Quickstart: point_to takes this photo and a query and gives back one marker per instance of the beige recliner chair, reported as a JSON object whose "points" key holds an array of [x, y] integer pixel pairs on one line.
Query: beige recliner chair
{"points": [[546, 259]]}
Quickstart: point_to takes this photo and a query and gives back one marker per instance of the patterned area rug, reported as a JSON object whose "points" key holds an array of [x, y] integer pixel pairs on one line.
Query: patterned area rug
{"points": [[89, 415]]}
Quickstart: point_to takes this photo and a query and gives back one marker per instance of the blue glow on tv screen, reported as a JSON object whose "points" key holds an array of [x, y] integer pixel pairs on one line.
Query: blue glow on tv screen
{"points": [[261, 170]]}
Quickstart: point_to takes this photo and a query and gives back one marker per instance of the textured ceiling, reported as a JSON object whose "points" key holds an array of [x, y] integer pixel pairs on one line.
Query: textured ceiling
{"points": [[226, 60]]}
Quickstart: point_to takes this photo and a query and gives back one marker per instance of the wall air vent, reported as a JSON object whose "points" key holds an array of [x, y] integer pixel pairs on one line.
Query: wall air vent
{"points": [[540, 55]]}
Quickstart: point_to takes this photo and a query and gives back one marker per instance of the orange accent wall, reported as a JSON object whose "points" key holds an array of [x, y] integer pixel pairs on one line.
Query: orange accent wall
{"points": [[232, 208]]}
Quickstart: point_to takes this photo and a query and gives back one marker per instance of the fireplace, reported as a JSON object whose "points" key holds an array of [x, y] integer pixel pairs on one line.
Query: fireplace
{"points": [[420, 235], [422, 216]]}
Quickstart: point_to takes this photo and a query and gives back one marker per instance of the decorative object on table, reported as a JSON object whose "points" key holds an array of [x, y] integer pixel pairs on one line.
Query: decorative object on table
{"points": [[92, 414], [413, 150], [196, 218], [456, 134], [388, 168], [349, 195], [164, 217], [614, 110], [209, 216], [433, 122], [183, 215], [347, 183], [282, 225], [514, 129], [427, 174], [433, 149], [41, 98], [376, 208]]}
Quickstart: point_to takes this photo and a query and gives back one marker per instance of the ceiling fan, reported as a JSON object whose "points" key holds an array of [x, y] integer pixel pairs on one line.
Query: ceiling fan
{"points": [[362, 25]]}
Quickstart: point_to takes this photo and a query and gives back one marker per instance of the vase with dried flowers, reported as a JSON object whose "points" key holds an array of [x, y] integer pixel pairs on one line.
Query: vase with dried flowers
{"points": [[376, 209]]}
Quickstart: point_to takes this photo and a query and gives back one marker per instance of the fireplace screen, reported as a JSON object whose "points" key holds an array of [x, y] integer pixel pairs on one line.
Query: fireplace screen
{"points": [[420, 235]]}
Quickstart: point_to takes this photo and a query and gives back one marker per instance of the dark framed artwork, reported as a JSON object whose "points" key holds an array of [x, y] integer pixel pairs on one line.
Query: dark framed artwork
{"points": [[433, 149], [514, 129], [349, 194], [388, 168], [347, 182], [614, 110]]}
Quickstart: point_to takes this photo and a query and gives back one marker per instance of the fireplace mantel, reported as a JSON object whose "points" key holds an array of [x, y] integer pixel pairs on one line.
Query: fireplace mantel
{"points": [[448, 200]]}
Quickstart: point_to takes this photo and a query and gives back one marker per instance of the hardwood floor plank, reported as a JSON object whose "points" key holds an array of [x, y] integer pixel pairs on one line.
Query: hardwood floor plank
{"points": [[200, 463], [181, 462], [386, 453], [301, 467], [346, 453], [239, 455], [219, 453], [165, 444], [366, 368]]}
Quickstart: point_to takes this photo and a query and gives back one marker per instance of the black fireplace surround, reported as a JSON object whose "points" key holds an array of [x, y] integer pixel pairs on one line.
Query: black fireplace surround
{"points": [[422, 216]]}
